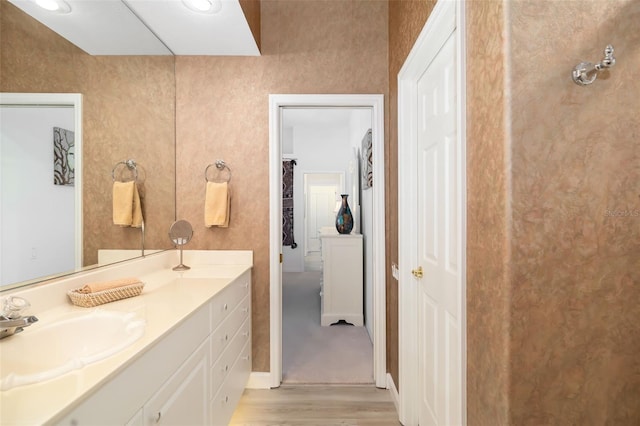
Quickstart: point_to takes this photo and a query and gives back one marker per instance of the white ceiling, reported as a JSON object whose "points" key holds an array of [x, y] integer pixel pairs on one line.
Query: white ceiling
{"points": [[149, 27]]}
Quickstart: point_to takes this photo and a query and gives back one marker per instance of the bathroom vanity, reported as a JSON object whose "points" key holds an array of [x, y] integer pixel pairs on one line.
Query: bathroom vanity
{"points": [[189, 367]]}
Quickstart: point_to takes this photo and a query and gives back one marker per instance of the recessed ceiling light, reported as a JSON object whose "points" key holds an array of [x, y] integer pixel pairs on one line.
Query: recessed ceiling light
{"points": [[204, 6], [57, 6]]}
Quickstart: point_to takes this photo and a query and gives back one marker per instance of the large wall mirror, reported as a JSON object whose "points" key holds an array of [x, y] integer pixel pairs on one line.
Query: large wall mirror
{"points": [[128, 112]]}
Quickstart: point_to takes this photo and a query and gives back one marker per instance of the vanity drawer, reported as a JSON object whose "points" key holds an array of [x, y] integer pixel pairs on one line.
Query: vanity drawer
{"points": [[221, 338], [224, 303], [221, 368], [225, 401]]}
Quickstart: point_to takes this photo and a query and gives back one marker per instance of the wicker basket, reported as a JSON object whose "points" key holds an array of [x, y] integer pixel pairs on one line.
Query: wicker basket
{"points": [[89, 300]]}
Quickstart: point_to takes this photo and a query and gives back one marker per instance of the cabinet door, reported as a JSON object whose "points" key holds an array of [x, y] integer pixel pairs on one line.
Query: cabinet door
{"points": [[342, 295], [183, 399]]}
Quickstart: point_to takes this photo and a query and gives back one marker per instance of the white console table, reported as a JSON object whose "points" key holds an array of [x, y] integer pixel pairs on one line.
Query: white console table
{"points": [[342, 275]]}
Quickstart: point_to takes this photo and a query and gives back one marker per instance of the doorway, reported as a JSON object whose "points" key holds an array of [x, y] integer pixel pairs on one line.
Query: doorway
{"points": [[277, 104], [321, 193]]}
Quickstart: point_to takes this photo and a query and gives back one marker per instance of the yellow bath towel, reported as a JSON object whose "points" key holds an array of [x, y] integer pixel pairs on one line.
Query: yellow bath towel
{"points": [[216, 204], [107, 285], [127, 210]]}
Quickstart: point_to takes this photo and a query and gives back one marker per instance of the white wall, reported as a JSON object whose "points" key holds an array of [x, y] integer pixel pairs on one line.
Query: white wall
{"points": [[37, 217], [317, 149], [360, 123], [287, 141]]}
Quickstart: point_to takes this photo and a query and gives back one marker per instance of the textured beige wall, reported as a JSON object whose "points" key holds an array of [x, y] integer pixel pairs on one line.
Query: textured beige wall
{"points": [[552, 286], [128, 113], [488, 281], [406, 20], [575, 290], [222, 113], [128, 107]]}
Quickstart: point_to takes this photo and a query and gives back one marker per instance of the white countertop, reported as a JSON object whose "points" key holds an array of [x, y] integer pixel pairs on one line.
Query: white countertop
{"points": [[163, 304]]}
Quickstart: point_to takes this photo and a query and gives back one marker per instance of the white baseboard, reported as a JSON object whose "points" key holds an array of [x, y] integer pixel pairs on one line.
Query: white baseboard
{"points": [[259, 380], [394, 392]]}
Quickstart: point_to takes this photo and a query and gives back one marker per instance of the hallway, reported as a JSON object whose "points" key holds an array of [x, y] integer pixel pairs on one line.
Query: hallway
{"points": [[311, 354]]}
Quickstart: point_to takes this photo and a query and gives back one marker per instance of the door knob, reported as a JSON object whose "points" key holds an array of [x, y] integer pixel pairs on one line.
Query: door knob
{"points": [[417, 272]]}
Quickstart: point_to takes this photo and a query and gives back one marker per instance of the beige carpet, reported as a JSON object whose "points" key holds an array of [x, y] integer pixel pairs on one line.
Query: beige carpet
{"points": [[314, 354]]}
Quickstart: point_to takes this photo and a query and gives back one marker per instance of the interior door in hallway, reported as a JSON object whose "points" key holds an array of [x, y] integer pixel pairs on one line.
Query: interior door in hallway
{"points": [[321, 194], [439, 344], [321, 203]]}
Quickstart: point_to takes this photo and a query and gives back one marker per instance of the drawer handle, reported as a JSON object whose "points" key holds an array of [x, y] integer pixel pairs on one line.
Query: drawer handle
{"points": [[225, 369], [246, 285], [225, 307], [246, 358], [245, 310], [158, 417], [225, 338], [245, 334], [225, 400]]}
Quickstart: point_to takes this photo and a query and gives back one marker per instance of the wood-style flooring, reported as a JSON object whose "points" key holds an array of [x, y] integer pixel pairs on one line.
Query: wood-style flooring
{"points": [[319, 405]]}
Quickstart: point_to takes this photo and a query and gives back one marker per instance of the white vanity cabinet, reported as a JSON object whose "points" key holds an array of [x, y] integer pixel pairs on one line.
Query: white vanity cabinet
{"points": [[342, 278], [230, 349], [180, 380]]}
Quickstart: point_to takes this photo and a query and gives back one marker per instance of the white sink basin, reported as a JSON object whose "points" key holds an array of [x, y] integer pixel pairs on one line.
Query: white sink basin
{"points": [[45, 351]]}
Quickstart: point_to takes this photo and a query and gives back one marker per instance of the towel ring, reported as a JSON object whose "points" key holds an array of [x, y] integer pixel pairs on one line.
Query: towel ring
{"points": [[131, 165], [221, 166]]}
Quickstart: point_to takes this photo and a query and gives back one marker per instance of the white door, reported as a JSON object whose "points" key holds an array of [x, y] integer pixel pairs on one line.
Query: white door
{"points": [[439, 305], [321, 203]]}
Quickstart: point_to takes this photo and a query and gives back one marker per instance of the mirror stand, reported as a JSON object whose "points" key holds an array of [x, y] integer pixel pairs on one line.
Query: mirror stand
{"points": [[180, 234], [181, 266]]}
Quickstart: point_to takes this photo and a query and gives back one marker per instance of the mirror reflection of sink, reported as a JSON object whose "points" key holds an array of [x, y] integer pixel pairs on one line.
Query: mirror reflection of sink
{"points": [[45, 351]]}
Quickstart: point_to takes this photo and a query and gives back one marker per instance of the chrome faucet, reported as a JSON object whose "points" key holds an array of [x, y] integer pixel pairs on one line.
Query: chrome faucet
{"points": [[11, 319]]}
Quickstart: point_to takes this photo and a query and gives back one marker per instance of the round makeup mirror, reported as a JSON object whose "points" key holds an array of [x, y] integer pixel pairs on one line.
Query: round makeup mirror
{"points": [[180, 234]]}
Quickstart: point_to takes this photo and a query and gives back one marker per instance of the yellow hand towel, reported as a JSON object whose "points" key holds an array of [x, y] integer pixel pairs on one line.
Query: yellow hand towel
{"points": [[107, 285], [136, 215], [216, 204], [228, 215], [123, 203], [127, 209]]}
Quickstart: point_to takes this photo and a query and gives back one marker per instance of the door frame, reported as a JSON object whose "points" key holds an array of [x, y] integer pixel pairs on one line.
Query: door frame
{"points": [[276, 103], [446, 16]]}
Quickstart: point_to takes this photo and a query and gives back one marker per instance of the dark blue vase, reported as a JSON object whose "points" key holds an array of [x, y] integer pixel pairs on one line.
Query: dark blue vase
{"points": [[344, 219]]}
